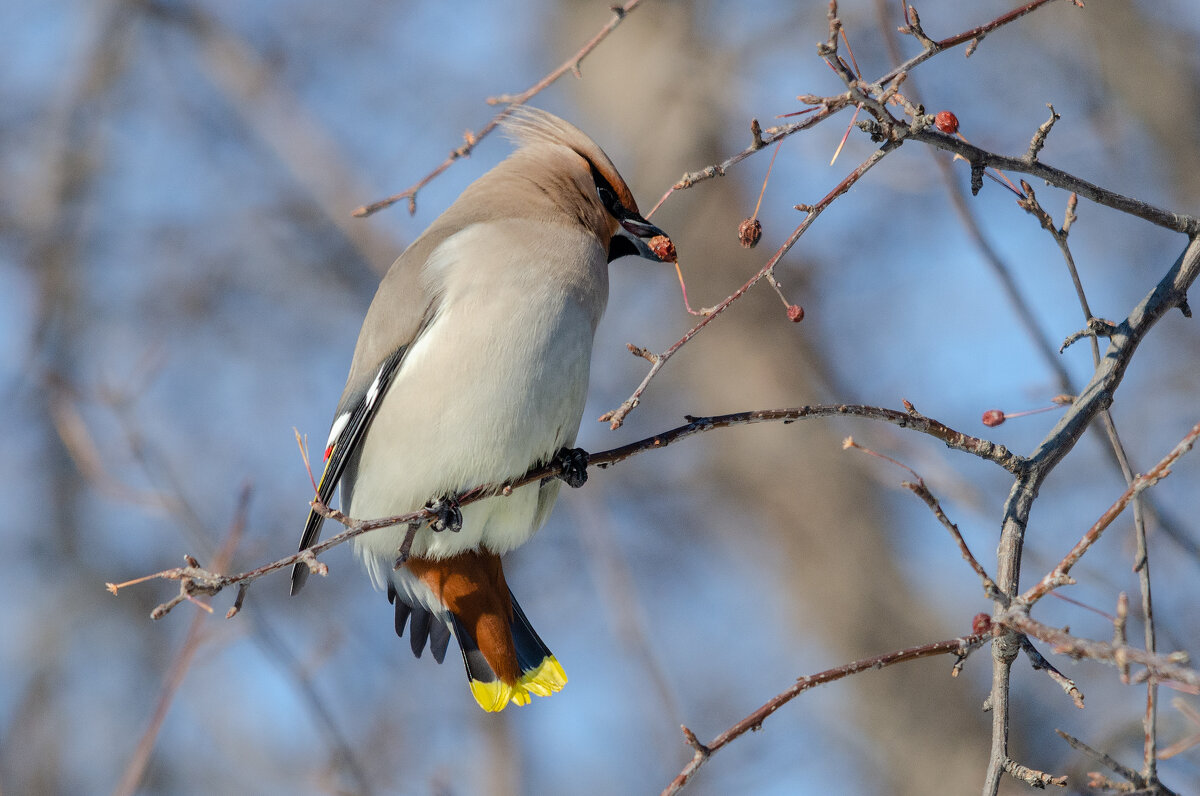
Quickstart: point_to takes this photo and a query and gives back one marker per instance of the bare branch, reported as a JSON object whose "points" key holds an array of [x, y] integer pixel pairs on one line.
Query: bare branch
{"points": [[961, 647], [196, 580], [472, 139], [1059, 575]]}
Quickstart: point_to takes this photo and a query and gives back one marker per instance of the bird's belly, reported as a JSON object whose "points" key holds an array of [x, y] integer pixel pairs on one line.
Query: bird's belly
{"points": [[449, 427]]}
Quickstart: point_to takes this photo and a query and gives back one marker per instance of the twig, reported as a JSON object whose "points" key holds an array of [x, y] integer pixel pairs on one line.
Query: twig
{"points": [[990, 589], [472, 139], [136, 769], [1040, 663], [1098, 756], [1059, 576], [1170, 670], [195, 579], [1031, 777], [1097, 327], [961, 646], [974, 35], [1187, 742], [617, 416], [1140, 783], [1169, 293], [981, 158]]}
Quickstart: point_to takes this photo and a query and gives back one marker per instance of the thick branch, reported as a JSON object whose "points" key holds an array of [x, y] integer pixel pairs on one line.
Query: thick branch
{"points": [[1171, 292]]}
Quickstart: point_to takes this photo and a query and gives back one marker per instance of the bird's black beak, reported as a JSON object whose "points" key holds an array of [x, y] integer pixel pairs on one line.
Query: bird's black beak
{"points": [[634, 238]]}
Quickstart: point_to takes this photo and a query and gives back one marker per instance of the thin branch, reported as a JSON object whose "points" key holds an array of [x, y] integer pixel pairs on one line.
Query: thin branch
{"points": [[981, 158], [1170, 293], [1059, 576], [1032, 777], [196, 580], [831, 105], [1097, 327], [961, 647], [136, 769], [972, 36], [472, 139], [1039, 663], [617, 416], [1170, 670], [989, 586], [1140, 784]]}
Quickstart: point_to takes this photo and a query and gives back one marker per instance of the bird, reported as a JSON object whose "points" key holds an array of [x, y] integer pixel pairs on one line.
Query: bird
{"points": [[472, 368]]}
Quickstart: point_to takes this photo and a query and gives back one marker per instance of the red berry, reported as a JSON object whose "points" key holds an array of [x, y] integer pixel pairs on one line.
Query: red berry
{"points": [[663, 248], [993, 417], [946, 121], [795, 313], [982, 623]]}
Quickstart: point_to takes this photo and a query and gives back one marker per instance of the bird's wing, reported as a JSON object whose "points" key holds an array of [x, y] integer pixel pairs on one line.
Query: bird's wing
{"points": [[400, 312], [345, 437]]}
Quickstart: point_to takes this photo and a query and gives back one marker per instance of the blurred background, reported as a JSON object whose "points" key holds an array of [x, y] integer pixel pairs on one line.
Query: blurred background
{"points": [[185, 285]]}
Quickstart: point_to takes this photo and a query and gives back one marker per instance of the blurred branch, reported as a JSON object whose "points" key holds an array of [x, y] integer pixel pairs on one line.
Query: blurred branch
{"points": [[195, 580], [472, 139], [282, 121], [157, 467], [961, 647], [1097, 781], [136, 769]]}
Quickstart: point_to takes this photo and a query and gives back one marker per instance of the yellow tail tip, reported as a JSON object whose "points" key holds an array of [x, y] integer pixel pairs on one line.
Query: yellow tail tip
{"points": [[546, 679]]}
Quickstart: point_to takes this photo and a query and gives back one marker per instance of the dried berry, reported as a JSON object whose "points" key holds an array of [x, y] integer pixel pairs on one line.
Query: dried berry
{"points": [[749, 231], [946, 121], [795, 313], [663, 248], [982, 623], [993, 417]]}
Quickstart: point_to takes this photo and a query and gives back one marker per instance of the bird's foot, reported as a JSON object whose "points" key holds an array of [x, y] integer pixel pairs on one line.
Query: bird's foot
{"points": [[573, 463], [447, 515]]}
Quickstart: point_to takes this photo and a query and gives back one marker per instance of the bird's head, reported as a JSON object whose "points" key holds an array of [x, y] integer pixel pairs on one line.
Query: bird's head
{"points": [[574, 176]]}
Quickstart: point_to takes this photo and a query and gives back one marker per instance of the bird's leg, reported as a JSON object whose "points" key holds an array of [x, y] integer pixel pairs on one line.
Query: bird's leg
{"points": [[447, 514], [405, 548], [574, 462]]}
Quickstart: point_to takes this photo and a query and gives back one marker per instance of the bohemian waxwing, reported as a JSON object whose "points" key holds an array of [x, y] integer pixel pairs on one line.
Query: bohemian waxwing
{"points": [[471, 368]]}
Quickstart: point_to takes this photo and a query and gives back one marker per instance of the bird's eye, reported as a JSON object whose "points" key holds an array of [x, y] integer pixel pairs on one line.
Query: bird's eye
{"points": [[608, 198]]}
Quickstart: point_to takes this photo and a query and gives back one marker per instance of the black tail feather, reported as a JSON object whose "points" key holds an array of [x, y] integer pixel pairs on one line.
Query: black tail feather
{"points": [[424, 627], [427, 628], [531, 650]]}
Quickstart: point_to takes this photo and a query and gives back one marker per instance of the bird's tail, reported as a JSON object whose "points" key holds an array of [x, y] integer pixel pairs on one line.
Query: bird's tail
{"points": [[540, 673], [467, 596]]}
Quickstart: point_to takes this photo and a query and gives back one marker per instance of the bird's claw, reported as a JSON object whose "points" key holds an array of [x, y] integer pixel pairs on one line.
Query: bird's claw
{"points": [[447, 515], [573, 463]]}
